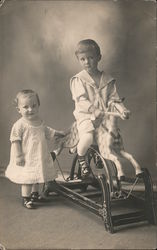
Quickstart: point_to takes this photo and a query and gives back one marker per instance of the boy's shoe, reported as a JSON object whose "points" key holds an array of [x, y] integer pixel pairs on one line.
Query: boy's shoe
{"points": [[84, 171], [27, 203], [84, 167]]}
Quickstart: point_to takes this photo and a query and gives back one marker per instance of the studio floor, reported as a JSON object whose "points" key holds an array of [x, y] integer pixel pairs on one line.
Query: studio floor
{"points": [[61, 224]]}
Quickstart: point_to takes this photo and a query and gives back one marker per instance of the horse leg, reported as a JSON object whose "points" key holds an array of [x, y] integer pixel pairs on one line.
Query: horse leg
{"points": [[129, 157], [120, 173], [107, 152]]}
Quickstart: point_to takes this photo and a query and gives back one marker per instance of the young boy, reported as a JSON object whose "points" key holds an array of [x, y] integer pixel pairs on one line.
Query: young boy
{"points": [[91, 91]]}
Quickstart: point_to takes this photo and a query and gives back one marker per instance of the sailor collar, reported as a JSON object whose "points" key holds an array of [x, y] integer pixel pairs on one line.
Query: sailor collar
{"points": [[85, 77]]}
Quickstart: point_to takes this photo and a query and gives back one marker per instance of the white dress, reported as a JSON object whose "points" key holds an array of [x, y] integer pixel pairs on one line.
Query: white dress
{"points": [[39, 167]]}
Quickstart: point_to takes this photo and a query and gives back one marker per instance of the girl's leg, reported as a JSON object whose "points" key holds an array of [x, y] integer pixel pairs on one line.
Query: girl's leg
{"points": [[85, 142], [26, 194], [26, 190], [35, 188]]}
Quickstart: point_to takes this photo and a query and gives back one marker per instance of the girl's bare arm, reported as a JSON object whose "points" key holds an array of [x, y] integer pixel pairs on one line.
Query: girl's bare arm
{"points": [[20, 161]]}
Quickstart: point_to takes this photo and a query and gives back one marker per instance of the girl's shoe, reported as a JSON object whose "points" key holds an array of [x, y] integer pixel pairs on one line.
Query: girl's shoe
{"points": [[27, 203], [34, 196]]}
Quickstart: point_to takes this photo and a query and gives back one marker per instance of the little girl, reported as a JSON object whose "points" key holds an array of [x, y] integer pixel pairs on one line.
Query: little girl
{"points": [[92, 90], [30, 158]]}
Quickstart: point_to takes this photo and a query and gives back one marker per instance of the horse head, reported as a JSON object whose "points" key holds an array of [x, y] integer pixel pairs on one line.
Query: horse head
{"points": [[116, 108]]}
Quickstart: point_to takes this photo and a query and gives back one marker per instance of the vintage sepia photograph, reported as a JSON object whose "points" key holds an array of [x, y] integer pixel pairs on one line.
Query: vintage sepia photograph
{"points": [[78, 124]]}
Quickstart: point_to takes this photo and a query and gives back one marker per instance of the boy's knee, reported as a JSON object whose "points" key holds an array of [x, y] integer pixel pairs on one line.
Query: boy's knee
{"points": [[85, 142], [87, 137]]}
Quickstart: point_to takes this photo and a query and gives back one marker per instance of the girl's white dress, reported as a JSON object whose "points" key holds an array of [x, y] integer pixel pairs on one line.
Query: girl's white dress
{"points": [[35, 140]]}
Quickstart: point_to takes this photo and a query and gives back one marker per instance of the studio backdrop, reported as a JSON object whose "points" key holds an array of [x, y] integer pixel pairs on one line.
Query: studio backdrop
{"points": [[37, 45]]}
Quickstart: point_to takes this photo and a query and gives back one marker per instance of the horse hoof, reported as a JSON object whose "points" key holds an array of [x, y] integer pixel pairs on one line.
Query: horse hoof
{"points": [[140, 175]]}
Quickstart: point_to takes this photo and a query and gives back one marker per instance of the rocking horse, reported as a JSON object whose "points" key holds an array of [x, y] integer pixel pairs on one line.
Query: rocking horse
{"points": [[107, 187], [114, 149]]}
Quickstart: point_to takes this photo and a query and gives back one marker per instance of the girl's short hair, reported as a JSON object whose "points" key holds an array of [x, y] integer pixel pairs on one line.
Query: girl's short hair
{"points": [[25, 92], [87, 45]]}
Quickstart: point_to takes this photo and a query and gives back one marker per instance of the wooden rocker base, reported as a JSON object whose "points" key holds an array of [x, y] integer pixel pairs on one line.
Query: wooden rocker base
{"points": [[125, 207]]}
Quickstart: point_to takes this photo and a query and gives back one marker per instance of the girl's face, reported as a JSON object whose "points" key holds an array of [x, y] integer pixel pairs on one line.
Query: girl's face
{"points": [[89, 61], [28, 107]]}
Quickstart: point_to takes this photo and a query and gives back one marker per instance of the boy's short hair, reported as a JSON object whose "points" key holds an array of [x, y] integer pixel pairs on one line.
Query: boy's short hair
{"points": [[25, 92], [87, 45]]}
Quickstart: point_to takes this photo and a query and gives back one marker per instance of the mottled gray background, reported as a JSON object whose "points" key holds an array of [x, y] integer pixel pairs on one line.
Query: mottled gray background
{"points": [[37, 43]]}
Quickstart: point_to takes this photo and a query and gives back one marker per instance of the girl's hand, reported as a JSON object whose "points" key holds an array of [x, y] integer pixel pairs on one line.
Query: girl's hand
{"points": [[59, 138], [20, 161]]}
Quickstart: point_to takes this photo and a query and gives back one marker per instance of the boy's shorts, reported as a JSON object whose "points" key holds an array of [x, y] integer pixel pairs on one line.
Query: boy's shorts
{"points": [[85, 126]]}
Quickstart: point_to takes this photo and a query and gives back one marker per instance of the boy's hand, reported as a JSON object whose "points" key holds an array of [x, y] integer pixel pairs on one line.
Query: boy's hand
{"points": [[126, 114], [20, 161], [95, 113]]}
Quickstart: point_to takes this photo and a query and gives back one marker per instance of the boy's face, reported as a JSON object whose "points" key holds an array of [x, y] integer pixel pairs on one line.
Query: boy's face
{"points": [[28, 107], [89, 61]]}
